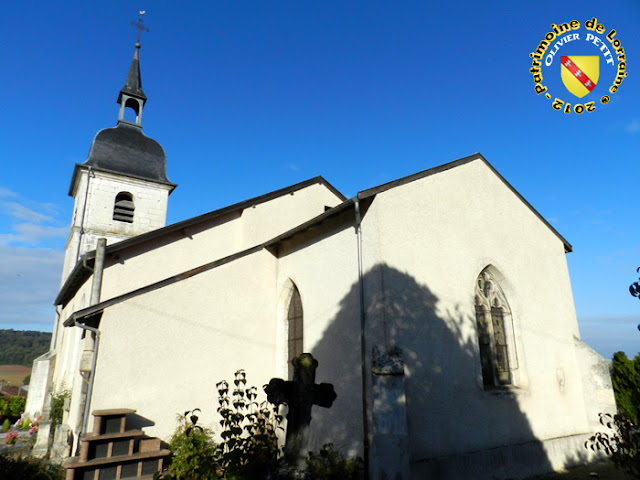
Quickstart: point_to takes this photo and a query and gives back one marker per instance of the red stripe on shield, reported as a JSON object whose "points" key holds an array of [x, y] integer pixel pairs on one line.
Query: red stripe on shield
{"points": [[576, 72]]}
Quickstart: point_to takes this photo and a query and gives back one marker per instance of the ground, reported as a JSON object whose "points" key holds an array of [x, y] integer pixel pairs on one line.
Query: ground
{"points": [[14, 374], [605, 471]]}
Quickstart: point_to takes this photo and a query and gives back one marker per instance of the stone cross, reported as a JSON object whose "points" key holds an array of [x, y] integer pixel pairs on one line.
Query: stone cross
{"points": [[300, 395]]}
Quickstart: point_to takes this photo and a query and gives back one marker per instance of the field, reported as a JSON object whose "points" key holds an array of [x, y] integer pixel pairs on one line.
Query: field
{"points": [[14, 374]]}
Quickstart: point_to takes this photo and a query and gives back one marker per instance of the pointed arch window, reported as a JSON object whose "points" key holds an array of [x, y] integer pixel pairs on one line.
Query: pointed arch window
{"points": [[295, 321], [123, 207], [493, 318]]}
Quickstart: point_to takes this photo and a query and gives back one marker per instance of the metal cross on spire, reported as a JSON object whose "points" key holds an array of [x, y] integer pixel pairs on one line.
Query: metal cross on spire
{"points": [[139, 26]]}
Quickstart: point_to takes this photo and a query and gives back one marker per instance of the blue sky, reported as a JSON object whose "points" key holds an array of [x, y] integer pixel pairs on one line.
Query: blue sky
{"points": [[250, 96]]}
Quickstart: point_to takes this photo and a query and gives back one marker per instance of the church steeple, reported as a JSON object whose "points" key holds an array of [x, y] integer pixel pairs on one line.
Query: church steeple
{"points": [[122, 189], [131, 95]]}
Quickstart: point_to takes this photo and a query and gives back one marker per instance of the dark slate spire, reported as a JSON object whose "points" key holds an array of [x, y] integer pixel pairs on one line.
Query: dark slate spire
{"points": [[133, 84], [131, 95]]}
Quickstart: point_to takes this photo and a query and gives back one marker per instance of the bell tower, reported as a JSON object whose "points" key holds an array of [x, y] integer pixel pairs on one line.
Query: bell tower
{"points": [[122, 189]]}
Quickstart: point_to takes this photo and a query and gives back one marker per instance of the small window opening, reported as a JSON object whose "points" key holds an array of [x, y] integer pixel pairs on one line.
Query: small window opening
{"points": [[130, 115], [133, 104], [123, 208], [130, 109]]}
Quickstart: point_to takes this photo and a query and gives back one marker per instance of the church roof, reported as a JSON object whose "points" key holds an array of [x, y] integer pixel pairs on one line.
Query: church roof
{"points": [[125, 150], [367, 195], [82, 270]]}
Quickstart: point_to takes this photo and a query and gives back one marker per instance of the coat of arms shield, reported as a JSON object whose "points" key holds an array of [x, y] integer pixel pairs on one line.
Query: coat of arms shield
{"points": [[580, 73]]}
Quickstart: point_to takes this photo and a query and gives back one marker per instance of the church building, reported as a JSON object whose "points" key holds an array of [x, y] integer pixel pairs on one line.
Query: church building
{"points": [[439, 306]]}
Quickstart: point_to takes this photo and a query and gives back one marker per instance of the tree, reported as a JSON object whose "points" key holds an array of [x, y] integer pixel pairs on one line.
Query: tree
{"points": [[625, 378], [22, 347], [622, 442], [634, 289]]}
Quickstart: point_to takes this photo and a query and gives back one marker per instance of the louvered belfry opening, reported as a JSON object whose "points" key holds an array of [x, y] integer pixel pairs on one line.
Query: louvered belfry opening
{"points": [[123, 208]]}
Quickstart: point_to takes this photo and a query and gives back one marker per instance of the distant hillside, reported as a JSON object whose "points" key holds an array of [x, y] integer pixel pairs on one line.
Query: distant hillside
{"points": [[22, 347]]}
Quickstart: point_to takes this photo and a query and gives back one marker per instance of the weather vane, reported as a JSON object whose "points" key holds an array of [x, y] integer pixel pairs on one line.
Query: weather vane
{"points": [[139, 26]]}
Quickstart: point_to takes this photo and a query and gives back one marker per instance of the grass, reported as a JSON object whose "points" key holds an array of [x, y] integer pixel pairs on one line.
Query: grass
{"points": [[14, 374], [605, 470]]}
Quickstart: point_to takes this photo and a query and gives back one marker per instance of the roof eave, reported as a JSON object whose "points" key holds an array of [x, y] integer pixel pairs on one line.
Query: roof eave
{"points": [[82, 166]]}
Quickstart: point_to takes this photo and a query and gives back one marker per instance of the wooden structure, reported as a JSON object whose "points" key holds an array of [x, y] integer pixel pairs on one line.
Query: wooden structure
{"points": [[111, 452]]}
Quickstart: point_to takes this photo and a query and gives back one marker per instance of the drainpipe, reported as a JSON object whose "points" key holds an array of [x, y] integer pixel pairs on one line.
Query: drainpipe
{"points": [[54, 337], [92, 373], [363, 343], [84, 209], [92, 341], [98, 268]]}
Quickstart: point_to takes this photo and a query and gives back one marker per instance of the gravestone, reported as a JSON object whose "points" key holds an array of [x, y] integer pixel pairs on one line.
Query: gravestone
{"points": [[300, 394]]}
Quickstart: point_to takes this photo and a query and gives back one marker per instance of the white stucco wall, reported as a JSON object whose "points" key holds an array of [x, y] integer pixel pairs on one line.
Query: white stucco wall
{"points": [[326, 274], [162, 355], [214, 239], [67, 341], [433, 237]]}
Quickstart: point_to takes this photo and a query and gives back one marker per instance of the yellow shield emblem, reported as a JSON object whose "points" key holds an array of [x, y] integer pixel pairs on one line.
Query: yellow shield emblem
{"points": [[580, 73]]}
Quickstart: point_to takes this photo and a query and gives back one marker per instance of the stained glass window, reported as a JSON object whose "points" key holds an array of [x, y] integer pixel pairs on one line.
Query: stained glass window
{"points": [[295, 322], [492, 316]]}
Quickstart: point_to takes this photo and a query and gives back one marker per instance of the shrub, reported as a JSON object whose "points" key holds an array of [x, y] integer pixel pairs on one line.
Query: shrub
{"points": [[16, 406], [6, 425], [622, 444], [193, 451], [15, 466], [249, 447], [329, 464], [56, 410], [13, 407]]}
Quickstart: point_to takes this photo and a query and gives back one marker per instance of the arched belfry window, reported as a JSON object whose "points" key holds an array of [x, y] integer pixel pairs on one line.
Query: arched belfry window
{"points": [[493, 318], [123, 208], [295, 326]]}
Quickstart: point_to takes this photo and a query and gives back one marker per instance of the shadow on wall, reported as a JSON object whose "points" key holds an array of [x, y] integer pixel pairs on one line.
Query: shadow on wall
{"points": [[456, 428], [138, 422]]}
